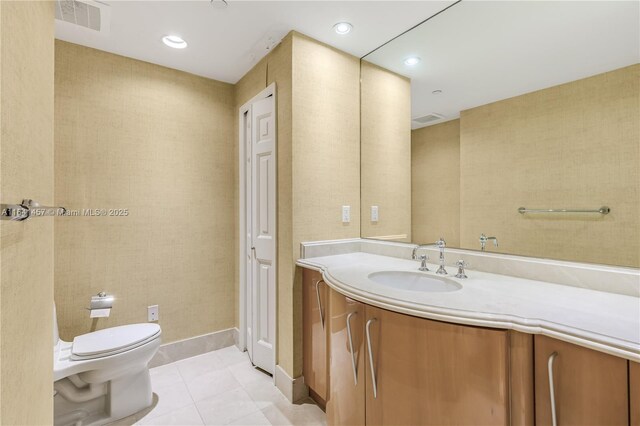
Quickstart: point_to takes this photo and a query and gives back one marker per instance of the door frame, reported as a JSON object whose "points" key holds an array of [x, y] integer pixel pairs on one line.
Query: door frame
{"points": [[242, 183]]}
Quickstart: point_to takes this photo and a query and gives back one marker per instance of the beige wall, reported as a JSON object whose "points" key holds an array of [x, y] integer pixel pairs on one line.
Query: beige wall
{"points": [[318, 162], [386, 152], [571, 146], [156, 141], [26, 248], [435, 183], [325, 156]]}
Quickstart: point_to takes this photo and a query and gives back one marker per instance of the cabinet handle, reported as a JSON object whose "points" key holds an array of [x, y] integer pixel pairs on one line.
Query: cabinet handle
{"points": [[319, 303], [353, 359], [552, 396], [373, 370]]}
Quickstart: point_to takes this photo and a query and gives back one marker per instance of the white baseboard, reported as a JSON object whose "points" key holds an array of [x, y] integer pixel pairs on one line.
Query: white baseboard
{"points": [[293, 389], [193, 346]]}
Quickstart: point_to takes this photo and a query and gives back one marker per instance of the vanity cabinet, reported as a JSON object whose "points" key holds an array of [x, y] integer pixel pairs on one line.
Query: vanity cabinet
{"points": [[374, 366], [346, 393], [423, 372], [314, 334], [590, 387]]}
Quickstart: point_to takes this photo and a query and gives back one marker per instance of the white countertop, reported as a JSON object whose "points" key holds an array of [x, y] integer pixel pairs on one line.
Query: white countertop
{"points": [[606, 322]]}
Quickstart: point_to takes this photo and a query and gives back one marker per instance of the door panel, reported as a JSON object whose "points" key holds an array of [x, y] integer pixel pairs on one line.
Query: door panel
{"points": [[263, 285], [590, 387], [346, 393], [264, 168], [262, 233], [248, 267], [433, 373], [314, 364], [264, 177]]}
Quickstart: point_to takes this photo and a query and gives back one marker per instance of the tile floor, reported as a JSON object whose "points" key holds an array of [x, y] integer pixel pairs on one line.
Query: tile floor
{"points": [[220, 388]]}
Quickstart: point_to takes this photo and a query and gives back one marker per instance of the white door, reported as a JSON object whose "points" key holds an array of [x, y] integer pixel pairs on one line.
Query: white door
{"points": [[248, 243], [261, 234]]}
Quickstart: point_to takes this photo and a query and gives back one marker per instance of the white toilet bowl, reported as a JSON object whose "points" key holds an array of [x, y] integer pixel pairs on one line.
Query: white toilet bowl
{"points": [[103, 376]]}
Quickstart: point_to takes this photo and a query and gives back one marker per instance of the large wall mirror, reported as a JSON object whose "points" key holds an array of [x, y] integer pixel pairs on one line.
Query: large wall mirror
{"points": [[491, 107]]}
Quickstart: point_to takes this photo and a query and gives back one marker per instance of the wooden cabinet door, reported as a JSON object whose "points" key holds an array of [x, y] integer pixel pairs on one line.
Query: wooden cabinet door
{"points": [[346, 398], [521, 379], [314, 336], [634, 393], [432, 373], [590, 387]]}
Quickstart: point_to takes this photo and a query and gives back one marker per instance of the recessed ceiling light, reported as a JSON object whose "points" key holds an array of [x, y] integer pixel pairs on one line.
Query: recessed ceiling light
{"points": [[174, 41], [343, 28], [219, 4], [412, 60]]}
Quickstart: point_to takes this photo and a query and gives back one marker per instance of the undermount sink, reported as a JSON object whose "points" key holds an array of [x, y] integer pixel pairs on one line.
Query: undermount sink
{"points": [[414, 281]]}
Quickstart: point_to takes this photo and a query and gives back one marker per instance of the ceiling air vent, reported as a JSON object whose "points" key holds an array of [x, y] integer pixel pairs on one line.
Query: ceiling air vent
{"points": [[85, 13], [429, 118]]}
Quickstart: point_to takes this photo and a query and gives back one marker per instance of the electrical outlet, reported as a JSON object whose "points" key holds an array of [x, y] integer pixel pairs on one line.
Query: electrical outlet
{"points": [[346, 214], [374, 213], [153, 313]]}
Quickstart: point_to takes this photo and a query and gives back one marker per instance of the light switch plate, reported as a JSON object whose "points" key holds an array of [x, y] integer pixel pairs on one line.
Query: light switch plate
{"points": [[153, 313], [374, 213], [346, 214]]}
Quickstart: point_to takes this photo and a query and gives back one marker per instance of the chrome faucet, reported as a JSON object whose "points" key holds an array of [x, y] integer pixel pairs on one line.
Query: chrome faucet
{"points": [[484, 239], [441, 244], [423, 258]]}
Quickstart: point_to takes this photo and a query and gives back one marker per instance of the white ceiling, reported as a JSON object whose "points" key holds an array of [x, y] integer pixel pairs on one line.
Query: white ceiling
{"points": [[225, 43], [479, 52]]}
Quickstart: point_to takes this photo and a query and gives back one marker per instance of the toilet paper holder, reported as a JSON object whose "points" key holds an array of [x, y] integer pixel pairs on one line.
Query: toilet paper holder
{"points": [[101, 300]]}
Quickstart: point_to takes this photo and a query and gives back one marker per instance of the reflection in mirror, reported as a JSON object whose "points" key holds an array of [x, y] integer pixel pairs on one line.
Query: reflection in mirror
{"points": [[385, 172], [489, 107]]}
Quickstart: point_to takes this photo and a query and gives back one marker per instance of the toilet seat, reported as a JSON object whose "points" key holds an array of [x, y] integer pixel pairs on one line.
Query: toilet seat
{"points": [[111, 341]]}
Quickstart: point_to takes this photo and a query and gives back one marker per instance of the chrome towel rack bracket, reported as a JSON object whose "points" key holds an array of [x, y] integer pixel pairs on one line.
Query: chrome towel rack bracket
{"points": [[28, 209], [601, 210]]}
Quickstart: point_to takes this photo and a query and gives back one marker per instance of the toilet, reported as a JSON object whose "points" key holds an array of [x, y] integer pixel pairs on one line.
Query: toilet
{"points": [[103, 376]]}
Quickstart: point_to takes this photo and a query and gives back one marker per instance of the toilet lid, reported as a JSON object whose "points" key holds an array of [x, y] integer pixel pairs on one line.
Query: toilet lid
{"points": [[112, 339]]}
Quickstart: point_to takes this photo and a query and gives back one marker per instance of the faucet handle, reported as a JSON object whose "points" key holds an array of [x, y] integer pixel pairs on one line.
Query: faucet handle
{"points": [[461, 264], [423, 263], [441, 243]]}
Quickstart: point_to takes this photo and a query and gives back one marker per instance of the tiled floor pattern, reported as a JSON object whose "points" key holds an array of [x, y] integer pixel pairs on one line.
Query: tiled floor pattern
{"points": [[220, 388]]}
